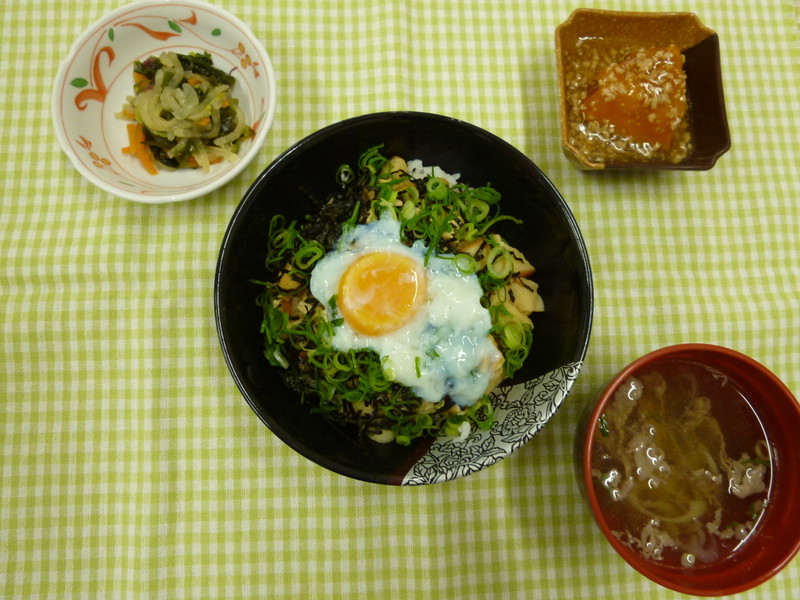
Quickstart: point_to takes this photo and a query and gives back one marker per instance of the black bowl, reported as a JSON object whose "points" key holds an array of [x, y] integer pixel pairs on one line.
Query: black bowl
{"points": [[549, 236]]}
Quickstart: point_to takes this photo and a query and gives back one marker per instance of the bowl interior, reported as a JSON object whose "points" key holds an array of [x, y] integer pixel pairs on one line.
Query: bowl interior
{"points": [[699, 44], [94, 81], [549, 236], [777, 536]]}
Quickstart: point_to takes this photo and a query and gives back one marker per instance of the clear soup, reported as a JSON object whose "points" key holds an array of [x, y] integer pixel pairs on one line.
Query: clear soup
{"points": [[681, 464]]}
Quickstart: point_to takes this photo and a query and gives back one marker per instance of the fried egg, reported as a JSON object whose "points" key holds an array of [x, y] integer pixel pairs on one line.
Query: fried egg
{"points": [[426, 322]]}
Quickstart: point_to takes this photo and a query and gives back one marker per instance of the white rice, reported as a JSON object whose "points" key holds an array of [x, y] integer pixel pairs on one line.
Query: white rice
{"points": [[418, 171]]}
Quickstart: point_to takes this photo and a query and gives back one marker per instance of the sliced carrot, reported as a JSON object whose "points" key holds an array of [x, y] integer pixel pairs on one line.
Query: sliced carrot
{"points": [[194, 81], [140, 82], [192, 161], [138, 148], [204, 121], [131, 148]]}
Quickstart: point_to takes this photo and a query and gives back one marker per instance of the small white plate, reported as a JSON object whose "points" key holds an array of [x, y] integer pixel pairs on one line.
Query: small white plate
{"points": [[97, 76]]}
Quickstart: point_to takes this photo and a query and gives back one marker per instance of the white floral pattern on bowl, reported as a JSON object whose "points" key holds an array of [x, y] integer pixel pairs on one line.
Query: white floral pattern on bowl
{"points": [[520, 412], [92, 84]]}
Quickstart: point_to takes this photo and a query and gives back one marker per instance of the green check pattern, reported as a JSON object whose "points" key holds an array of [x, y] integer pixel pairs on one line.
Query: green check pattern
{"points": [[131, 467]]}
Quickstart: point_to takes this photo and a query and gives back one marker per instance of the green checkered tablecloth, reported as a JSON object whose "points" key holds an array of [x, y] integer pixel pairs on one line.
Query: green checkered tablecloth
{"points": [[130, 465]]}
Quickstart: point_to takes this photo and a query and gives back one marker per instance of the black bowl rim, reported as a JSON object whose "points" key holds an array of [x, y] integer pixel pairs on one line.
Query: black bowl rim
{"points": [[277, 163]]}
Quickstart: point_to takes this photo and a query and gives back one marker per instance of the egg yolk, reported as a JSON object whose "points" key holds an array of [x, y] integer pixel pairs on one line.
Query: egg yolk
{"points": [[381, 291]]}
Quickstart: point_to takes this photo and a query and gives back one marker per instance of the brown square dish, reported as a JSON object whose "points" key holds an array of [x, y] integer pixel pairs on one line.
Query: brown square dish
{"points": [[595, 46]]}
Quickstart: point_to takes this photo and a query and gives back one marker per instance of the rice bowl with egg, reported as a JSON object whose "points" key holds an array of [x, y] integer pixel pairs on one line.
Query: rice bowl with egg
{"points": [[548, 235], [396, 306]]}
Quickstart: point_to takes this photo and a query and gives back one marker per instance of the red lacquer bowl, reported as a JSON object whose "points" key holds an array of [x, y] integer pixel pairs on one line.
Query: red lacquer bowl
{"points": [[776, 538]]}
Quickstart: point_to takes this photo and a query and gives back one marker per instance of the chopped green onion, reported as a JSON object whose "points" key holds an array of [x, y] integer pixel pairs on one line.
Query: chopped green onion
{"points": [[350, 224], [756, 461], [476, 210], [452, 426], [465, 263], [482, 413], [437, 188], [308, 255], [408, 210], [411, 193], [487, 193], [752, 512], [499, 264], [372, 161], [603, 425], [344, 174], [387, 195], [513, 334]]}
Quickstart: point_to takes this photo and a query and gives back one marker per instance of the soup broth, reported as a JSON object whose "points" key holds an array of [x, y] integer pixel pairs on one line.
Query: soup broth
{"points": [[681, 464]]}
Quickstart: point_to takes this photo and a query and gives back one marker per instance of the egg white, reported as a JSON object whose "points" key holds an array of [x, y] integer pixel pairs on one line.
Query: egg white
{"points": [[445, 350]]}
